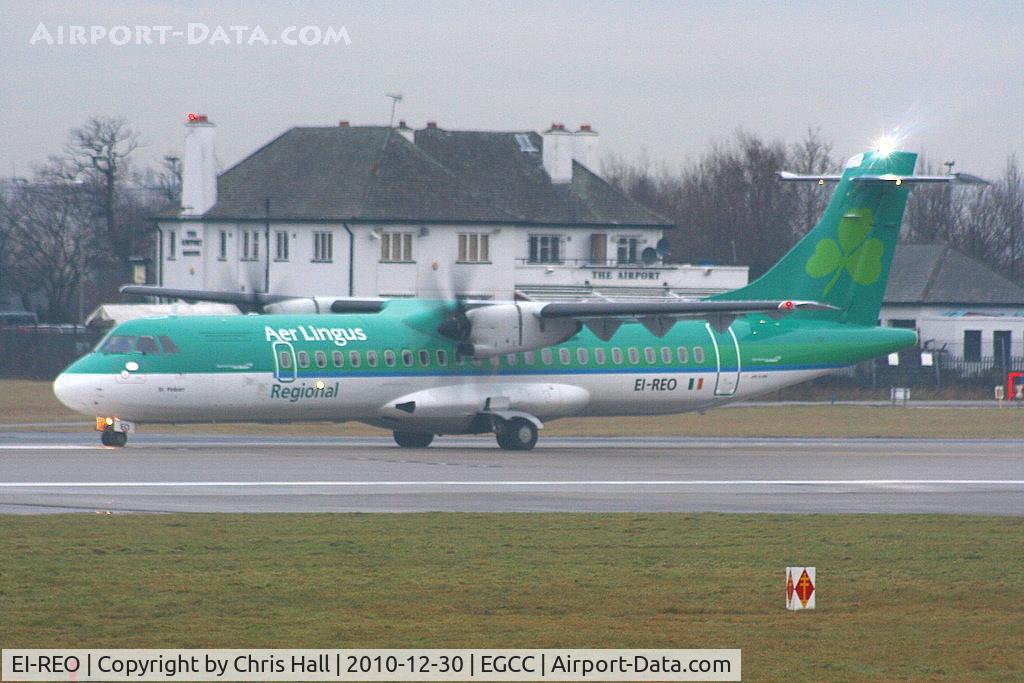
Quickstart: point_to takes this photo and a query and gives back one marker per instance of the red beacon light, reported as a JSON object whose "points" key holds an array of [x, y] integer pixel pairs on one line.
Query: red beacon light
{"points": [[196, 118], [192, 116], [786, 305]]}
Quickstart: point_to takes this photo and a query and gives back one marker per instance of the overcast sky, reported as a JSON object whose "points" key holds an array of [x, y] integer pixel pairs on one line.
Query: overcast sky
{"points": [[663, 79]]}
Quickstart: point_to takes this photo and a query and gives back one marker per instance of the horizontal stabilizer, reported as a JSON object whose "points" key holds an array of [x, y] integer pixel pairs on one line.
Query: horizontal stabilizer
{"points": [[952, 179]]}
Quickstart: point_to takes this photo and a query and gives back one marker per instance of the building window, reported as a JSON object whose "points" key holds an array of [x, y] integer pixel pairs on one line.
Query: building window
{"points": [[323, 247], [281, 245], [474, 248], [222, 246], [972, 345], [627, 249], [396, 246], [172, 245], [545, 249], [250, 245]]}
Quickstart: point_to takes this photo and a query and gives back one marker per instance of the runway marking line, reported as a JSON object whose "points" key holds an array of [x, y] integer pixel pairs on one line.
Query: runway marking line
{"points": [[513, 483]]}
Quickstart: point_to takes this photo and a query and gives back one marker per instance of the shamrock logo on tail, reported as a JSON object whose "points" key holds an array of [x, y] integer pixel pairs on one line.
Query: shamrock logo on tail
{"points": [[855, 253]]}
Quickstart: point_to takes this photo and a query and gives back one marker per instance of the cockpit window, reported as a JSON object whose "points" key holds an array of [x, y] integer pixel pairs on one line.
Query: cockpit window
{"points": [[118, 343], [147, 345], [168, 344]]}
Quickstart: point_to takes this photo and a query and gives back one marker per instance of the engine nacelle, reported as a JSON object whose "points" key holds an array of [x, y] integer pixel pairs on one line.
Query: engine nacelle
{"points": [[511, 328]]}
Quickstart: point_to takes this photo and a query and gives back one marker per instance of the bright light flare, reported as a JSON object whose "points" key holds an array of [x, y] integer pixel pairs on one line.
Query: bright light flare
{"points": [[885, 145]]}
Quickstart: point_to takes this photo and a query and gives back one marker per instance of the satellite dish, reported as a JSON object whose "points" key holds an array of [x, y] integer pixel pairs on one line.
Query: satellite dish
{"points": [[662, 247], [649, 256]]}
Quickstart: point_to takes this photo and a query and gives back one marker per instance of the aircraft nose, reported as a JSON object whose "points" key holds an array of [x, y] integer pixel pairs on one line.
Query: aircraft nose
{"points": [[69, 390]]}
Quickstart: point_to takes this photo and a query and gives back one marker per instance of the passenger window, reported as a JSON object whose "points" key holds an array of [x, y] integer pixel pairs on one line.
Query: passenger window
{"points": [[599, 357], [698, 354], [321, 359], [442, 357], [354, 359], [564, 356], [424, 357], [371, 358], [649, 355], [475, 362], [546, 356], [511, 359], [617, 355], [634, 355], [666, 354], [389, 358], [407, 358], [495, 362], [528, 357], [338, 357], [582, 356], [303, 359], [147, 345], [681, 352], [459, 359], [285, 360], [169, 346]]}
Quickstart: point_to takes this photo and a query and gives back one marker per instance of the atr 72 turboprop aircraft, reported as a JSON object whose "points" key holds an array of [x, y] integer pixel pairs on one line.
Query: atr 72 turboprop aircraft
{"points": [[426, 368]]}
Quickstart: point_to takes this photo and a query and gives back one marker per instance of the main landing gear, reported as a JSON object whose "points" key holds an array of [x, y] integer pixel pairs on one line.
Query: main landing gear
{"points": [[117, 439], [516, 434], [413, 439]]}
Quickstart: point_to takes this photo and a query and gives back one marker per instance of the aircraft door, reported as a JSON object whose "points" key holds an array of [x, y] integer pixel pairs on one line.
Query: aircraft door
{"points": [[727, 354], [284, 362]]}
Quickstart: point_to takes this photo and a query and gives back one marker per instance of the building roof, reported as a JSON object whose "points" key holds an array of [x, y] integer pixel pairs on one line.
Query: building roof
{"points": [[939, 274], [373, 173]]}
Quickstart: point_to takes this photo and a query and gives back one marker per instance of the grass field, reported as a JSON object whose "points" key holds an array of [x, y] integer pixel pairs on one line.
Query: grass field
{"points": [[33, 402], [908, 597]]}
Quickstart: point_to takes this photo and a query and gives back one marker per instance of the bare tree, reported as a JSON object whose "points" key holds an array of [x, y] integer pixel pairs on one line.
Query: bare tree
{"points": [[100, 150], [48, 225], [813, 156]]}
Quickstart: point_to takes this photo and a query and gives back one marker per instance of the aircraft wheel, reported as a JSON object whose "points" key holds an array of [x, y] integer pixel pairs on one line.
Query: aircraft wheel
{"points": [[117, 439], [518, 434], [413, 439]]}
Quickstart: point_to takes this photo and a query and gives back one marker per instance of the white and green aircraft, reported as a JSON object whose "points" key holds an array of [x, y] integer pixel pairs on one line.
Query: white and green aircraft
{"points": [[425, 368]]}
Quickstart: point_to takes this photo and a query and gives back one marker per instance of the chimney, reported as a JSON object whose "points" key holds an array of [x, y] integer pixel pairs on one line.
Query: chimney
{"points": [[584, 147], [432, 124], [199, 166], [343, 123], [557, 153], [406, 132]]}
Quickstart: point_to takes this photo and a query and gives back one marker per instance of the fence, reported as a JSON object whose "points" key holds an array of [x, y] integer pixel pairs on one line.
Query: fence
{"points": [[43, 351]]}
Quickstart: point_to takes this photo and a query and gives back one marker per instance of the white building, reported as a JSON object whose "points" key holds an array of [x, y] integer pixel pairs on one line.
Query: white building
{"points": [[959, 306], [380, 211]]}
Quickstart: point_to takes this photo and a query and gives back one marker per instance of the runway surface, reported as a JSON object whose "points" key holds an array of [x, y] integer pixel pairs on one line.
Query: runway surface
{"points": [[51, 472]]}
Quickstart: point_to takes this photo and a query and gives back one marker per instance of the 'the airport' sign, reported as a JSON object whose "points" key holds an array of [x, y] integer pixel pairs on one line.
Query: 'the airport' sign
{"points": [[801, 588]]}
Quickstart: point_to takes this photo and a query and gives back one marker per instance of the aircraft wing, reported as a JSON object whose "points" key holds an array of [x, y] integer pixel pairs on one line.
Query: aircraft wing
{"points": [[267, 303], [604, 317]]}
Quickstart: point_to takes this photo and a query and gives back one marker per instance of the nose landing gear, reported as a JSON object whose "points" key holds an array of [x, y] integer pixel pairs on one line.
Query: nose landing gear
{"points": [[113, 432]]}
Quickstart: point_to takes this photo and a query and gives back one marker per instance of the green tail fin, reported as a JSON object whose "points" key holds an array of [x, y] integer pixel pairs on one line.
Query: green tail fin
{"points": [[845, 259]]}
